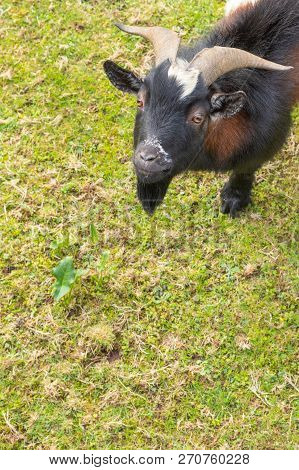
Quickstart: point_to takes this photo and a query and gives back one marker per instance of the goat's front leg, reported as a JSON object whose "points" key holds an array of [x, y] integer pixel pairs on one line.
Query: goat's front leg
{"points": [[236, 193]]}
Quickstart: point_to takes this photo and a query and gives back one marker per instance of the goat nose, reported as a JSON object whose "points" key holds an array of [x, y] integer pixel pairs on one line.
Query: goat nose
{"points": [[147, 157]]}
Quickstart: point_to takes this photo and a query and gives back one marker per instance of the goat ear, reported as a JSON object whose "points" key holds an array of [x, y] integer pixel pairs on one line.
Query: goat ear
{"points": [[225, 105], [122, 79]]}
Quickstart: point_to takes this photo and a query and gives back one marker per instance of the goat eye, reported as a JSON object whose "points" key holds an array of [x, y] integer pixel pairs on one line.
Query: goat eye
{"points": [[197, 119], [140, 103]]}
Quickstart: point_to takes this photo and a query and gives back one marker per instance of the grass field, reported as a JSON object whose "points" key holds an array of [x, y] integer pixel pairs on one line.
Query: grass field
{"points": [[181, 332]]}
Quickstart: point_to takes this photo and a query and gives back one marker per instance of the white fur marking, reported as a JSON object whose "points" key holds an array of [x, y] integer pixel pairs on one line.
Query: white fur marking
{"points": [[186, 78], [154, 142], [232, 5]]}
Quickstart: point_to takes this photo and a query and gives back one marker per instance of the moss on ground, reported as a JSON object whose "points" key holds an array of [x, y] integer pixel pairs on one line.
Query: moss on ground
{"points": [[182, 331]]}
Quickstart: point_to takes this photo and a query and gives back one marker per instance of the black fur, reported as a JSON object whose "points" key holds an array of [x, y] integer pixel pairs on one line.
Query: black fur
{"points": [[151, 195], [270, 29], [121, 78], [227, 104]]}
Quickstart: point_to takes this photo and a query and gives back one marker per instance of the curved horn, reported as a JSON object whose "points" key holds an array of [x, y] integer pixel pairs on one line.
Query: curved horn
{"points": [[164, 41], [216, 61]]}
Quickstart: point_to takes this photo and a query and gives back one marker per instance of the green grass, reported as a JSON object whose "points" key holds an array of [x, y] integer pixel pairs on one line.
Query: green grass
{"points": [[182, 331]]}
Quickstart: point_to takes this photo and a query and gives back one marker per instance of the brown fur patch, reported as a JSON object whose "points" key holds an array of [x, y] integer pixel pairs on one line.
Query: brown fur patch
{"points": [[293, 60], [226, 136]]}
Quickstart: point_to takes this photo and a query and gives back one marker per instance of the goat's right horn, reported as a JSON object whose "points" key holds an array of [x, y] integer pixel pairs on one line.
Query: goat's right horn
{"points": [[165, 42], [216, 61]]}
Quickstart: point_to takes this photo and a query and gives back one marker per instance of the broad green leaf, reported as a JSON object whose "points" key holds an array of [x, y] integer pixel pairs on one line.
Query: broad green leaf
{"points": [[65, 275]]}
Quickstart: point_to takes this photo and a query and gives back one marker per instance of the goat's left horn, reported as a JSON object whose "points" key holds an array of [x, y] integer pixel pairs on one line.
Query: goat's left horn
{"points": [[165, 42], [216, 61]]}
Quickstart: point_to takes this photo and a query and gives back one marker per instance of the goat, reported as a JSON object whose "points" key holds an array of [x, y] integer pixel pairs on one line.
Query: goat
{"points": [[222, 104]]}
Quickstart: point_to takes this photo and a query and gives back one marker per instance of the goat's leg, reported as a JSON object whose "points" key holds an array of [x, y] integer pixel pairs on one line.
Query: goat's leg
{"points": [[236, 193]]}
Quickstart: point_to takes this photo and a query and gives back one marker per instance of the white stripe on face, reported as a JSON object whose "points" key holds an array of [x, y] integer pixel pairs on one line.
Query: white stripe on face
{"points": [[185, 78]]}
